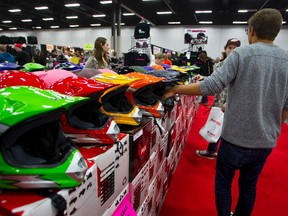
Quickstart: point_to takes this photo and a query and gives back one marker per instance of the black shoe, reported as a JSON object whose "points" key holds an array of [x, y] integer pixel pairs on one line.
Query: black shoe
{"points": [[206, 154]]}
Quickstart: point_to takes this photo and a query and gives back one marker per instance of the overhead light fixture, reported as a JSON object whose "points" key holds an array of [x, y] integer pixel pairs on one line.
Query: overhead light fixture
{"points": [[286, 10], [48, 19], [174, 23], [1, 29], [72, 5], [41, 8], [37, 27], [99, 15], [71, 17], [163, 12], [205, 22], [26, 20], [53, 27], [239, 22], [73, 26], [283, 22], [105, 2], [128, 14], [203, 11], [13, 28], [120, 24], [95, 24], [246, 10], [14, 10], [6, 21]]}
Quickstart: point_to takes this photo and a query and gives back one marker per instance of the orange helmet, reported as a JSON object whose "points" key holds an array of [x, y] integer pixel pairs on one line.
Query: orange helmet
{"points": [[144, 93]]}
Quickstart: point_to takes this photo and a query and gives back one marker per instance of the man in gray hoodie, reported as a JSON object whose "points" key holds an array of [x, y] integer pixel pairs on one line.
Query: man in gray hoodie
{"points": [[257, 79]]}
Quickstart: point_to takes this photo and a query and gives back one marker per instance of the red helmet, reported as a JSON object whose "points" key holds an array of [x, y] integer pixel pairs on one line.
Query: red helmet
{"points": [[144, 94], [20, 78], [84, 122], [51, 76], [79, 86]]}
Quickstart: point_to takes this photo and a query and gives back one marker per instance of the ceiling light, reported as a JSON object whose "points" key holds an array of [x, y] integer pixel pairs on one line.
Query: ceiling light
{"points": [[120, 24], [99, 15], [41, 8], [95, 24], [73, 26], [242, 11], [48, 19], [239, 22], [37, 27], [1, 29], [54, 27], [106, 2], [205, 22], [71, 17], [6, 21], [286, 10], [283, 22], [174, 23], [14, 10], [128, 14], [246, 11], [164, 12], [13, 28], [203, 11], [72, 5], [26, 20]]}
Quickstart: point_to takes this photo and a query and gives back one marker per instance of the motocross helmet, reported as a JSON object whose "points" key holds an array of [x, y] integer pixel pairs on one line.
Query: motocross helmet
{"points": [[67, 66], [114, 101], [9, 66], [145, 94], [19, 78], [32, 66], [51, 76], [84, 122], [34, 153]]}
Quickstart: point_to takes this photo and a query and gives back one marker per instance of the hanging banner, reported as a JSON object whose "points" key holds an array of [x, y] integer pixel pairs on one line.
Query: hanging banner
{"points": [[195, 36]]}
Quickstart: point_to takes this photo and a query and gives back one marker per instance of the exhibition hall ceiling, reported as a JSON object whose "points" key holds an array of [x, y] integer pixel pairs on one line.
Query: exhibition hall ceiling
{"points": [[47, 14]]}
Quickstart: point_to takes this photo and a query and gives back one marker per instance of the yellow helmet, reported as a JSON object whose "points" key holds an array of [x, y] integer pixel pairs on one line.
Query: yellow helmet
{"points": [[114, 101]]}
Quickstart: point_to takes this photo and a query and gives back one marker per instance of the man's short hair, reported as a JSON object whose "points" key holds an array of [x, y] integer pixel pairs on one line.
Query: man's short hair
{"points": [[266, 23]]}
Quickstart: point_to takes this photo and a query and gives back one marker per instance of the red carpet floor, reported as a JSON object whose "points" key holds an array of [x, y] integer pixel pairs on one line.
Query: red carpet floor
{"points": [[191, 192]]}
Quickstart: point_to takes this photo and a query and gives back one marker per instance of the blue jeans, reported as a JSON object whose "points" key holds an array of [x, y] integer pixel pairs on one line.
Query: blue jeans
{"points": [[250, 163], [204, 99], [212, 147]]}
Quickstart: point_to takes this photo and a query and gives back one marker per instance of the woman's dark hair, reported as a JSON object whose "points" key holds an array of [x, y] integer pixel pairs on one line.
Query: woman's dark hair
{"points": [[99, 53]]}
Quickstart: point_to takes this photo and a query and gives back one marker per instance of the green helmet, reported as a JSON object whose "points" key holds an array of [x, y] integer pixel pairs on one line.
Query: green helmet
{"points": [[32, 66], [34, 153]]}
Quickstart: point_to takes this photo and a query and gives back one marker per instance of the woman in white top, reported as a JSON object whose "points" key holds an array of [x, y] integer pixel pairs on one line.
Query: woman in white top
{"points": [[100, 58]]}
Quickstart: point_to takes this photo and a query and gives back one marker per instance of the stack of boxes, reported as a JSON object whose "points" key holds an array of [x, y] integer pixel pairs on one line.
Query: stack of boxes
{"points": [[130, 177]]}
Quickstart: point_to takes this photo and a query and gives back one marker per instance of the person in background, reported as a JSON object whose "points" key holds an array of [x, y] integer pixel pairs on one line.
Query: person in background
{"points": [[206, 69], [21, 57], [167, 60], [257, 105], [39, 57], [100, 58], [159, 59], [219, 100], [5, 56]]}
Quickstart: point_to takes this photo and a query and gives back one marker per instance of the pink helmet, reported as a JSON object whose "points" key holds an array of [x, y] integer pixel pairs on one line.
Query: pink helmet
{"points": [[51, 76]]}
